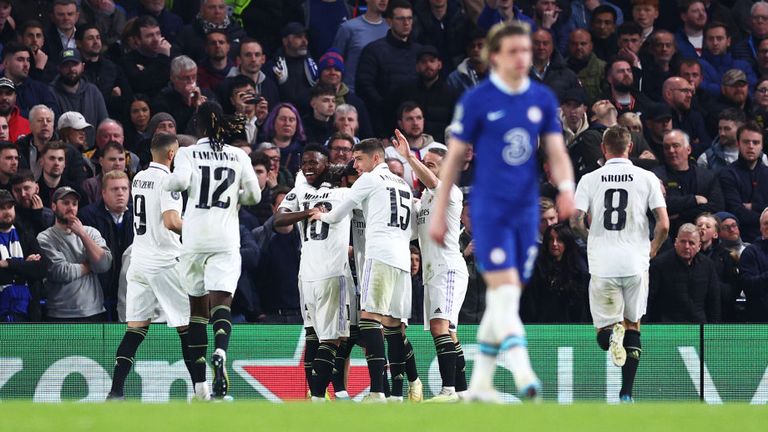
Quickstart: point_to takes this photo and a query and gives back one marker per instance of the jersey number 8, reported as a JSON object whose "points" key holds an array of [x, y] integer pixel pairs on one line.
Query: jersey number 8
{"points": [[619, 209]]}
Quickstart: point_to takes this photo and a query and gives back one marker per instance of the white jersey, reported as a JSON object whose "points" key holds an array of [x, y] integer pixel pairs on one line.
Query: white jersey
{"points": [[324, 246], [435, 258], [386, 202], [154, 245], [214, 180], [358, 240], [618, 197]]}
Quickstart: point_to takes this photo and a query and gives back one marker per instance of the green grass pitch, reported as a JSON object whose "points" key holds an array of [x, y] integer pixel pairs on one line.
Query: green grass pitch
{"points": [[297, 416]]}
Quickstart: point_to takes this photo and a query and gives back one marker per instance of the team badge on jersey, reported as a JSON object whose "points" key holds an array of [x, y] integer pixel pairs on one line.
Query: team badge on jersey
{"points": [[534, 114], [518, 149], [176, 195], [290, 197]]}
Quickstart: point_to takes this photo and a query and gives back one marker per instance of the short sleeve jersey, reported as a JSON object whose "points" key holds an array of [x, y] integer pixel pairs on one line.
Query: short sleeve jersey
{"points": [[387, 205], [434, 256], [618, 197], [211, 222], [154, 245], [504, 126], [324, 246]]}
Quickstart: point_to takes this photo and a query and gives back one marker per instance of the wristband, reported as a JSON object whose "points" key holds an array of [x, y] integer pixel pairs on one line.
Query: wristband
{"points": [[567, 185]]}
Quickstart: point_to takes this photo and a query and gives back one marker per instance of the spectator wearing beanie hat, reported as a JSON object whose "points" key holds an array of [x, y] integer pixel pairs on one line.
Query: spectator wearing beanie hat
{"points": [[331, 73], [160, 122]]}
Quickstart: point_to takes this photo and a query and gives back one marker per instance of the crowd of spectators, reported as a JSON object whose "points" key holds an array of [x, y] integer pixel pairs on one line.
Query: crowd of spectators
{"points": [[86, 84]]}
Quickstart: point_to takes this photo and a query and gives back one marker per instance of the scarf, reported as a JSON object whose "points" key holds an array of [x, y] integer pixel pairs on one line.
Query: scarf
{"points": [[208, 26]]}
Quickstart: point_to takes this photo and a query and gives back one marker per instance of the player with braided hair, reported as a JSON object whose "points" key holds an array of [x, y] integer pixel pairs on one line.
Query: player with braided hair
{"points": [[216, 176]]}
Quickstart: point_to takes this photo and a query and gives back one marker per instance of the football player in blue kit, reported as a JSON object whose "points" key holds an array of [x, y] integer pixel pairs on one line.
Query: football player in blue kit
{"points": [[505, 118]]}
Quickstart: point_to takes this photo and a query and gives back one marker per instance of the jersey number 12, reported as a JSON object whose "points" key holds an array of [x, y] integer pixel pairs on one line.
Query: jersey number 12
{"points": [[226, 177]]}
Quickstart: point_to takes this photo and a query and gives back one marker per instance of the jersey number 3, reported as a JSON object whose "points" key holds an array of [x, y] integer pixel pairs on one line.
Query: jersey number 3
{"points": [[398, 199], [223, 174], [614, 209]]}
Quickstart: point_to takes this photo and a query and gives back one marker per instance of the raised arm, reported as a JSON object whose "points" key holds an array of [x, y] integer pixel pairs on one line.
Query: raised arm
{"points": [[427, 177], [452, 164]]}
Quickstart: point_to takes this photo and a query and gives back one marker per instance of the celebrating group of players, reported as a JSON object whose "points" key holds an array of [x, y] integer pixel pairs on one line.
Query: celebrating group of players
{"points": [[506, 118]]}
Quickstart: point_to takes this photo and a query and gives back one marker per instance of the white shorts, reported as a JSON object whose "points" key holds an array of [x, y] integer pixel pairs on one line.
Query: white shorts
{"points": [[385, 290], [210, 271], [156, 295], [326, 307], [615, 299], [443, 296]]}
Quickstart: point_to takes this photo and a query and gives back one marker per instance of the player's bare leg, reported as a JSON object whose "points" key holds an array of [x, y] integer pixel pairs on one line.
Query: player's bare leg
{"points": [[221, 319], [134, 335], [198, 344], [446, 359], [502, 329], [372, 338]]}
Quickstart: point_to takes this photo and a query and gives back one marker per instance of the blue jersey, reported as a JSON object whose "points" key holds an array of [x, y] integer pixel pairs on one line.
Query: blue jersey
{"points": [[504, 126]]}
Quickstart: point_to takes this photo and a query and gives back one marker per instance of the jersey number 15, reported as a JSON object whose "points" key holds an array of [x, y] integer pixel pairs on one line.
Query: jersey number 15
{"points": [[398, 199]]}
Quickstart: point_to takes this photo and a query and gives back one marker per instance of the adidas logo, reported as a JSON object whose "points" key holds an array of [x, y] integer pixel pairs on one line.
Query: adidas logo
{"points": [[314, 373], [220, 332], [437, 311], [200, 360]]}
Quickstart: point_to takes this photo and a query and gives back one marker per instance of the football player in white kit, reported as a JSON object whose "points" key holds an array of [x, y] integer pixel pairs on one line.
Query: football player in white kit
{"points": [[617, 197], [445, 273], [216, 176], [386, 282], [153, 276], [324, 270]]}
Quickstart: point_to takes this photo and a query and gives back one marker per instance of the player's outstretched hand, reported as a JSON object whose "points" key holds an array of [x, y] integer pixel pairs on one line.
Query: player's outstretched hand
{"points": [[565, 205], [401, 144], [437, 230]]}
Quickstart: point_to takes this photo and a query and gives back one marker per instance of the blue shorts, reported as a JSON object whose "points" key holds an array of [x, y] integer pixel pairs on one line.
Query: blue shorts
{"points": [[505, 237]]}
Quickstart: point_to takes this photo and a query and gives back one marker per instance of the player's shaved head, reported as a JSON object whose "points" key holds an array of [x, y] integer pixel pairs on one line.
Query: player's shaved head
{"points": [[163, 141], [617, 140]]}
